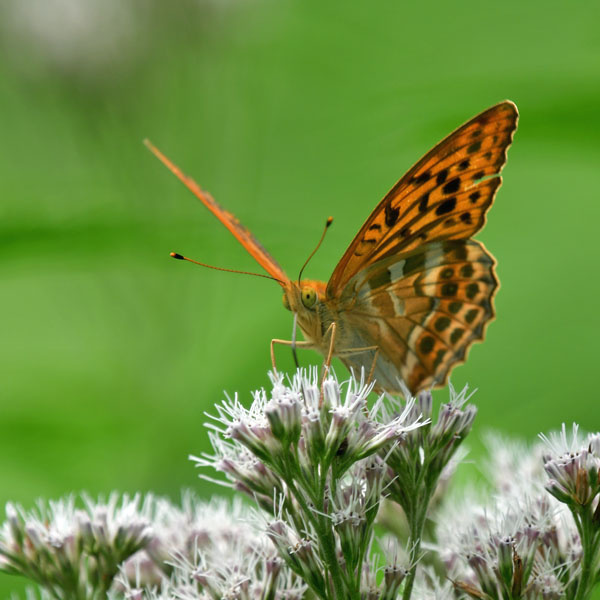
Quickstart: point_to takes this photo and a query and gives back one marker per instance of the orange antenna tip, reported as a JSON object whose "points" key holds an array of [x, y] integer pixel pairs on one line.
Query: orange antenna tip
{"points": [[329, 221], [177, 256]]}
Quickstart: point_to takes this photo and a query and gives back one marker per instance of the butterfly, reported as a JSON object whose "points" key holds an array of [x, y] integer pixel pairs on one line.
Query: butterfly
{"points": [[413, 291]]}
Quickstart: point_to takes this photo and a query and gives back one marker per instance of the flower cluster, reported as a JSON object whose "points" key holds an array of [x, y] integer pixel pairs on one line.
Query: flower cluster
{"points": [[508, 550], [421, 462], [62, 547], [307, 424], [143, 548], [524, 542], [431, 447], [318, 458], [313, 456], [573, 468]]}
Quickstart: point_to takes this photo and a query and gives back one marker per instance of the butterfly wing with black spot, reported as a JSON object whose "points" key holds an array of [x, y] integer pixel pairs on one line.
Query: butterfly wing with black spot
{"points": [[444, 196], [422, 310]]}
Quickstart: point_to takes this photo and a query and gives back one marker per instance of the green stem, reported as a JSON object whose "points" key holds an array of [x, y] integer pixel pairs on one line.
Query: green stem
{"points": [[327, 538], [322, 526], [416, 523], [589, 547]]}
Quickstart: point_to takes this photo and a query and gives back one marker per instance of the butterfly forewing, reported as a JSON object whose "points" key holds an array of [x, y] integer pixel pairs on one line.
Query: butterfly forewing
{"points": [[422, 310], [443, 197], [241, 233]]}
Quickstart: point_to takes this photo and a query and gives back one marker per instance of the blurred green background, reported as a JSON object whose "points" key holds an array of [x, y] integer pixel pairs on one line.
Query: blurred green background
{"points": [[288, 112]]}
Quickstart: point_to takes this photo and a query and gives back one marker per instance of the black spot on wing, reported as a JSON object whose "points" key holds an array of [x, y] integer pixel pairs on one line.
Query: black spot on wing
{"points": [[452, 186], [449, 289], [456, 335], [470, 316], [459, 250], [441, 323], [414, 263], [472, 290], [391, 214], [441, 176], [380, 278], [446, 206], [474, 147], [422, 178], [427, 344], [454, 307], [466, 271], [438, 358]]}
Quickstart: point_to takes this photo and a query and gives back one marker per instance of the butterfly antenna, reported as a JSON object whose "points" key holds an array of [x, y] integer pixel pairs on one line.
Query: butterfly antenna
{"points": [[327, 224], [181, 257]]}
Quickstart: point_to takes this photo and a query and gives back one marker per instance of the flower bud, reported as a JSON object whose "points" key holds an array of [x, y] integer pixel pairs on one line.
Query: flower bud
{"points": [[393, 576], [284, 416], [505, 560]]}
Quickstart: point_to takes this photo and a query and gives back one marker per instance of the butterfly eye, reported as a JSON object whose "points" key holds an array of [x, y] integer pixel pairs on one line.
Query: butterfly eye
{"points": [[309, 296], [286, 302]]}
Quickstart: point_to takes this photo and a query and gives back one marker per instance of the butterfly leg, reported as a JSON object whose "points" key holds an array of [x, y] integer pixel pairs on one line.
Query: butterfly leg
{"points": [[365, 349], [327, 364], [331, 330], [372, 369], [292, 344]]}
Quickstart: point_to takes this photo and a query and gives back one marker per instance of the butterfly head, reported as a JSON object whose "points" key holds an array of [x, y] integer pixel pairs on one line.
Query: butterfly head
{"points": [[305, 299], [303, 296]]}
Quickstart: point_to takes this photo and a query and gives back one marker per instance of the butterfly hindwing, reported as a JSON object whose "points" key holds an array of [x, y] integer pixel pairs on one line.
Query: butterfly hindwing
{"points": [[422, 310], [445, 196]]}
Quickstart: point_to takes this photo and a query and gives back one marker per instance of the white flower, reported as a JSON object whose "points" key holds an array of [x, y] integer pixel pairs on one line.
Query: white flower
{"points": [[479, 537], [573, 466], [300, 422], [60, 545]]}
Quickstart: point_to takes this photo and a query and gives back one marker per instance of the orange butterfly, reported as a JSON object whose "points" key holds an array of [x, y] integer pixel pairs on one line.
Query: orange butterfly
{"points": [[413, 291]]}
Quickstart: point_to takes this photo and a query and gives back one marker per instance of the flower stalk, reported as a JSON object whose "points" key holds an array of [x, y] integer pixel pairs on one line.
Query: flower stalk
{"points": [[416, 463]]}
